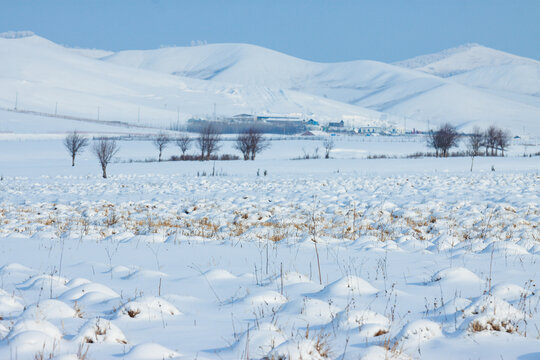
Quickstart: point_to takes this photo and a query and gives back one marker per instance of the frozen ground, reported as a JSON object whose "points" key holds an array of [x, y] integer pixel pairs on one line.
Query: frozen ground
{"points": [[418, 258]]}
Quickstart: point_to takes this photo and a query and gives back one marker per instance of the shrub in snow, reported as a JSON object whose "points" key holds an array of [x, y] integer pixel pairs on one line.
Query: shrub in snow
{"points": [[490, 313]]}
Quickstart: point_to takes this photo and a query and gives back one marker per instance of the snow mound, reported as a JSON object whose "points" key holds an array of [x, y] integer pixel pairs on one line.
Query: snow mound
{"points": [[118, 269], [509, 292], [490, 313], [312, 349], [147, 308], [455, 275], [37, 325], [85, 289], [218, 274], [101, 331], [150, 351], [9, 304], [77, 282], [50, 309], [44, 281], [260, 340], [420, 331], [291, 278], [3, 331], [489, 304], [369, 322], [454, 305], [506, 248], [266, 297], [310, 311], [31, 342], [14, 268], [31, 336], [349, 286], [144, 274], [380, 353]]}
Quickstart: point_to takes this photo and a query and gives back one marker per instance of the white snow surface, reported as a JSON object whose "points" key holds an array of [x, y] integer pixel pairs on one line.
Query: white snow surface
{"points": [[418, 258]]}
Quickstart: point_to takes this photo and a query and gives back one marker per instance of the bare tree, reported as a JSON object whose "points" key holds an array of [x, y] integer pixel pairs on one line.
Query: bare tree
{"points": [[250, 143], [184, 142], [443, 139], [161, 142], [502, 140], [242, 144], [474, 144], [433, 142], [328, 146], [490, 140], [475, 141], [75, 144], [208, 141], [257, 142], [105, 150]]}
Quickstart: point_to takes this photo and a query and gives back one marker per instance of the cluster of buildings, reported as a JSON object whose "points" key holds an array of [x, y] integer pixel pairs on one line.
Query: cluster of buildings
{"points": [[288, 125]]}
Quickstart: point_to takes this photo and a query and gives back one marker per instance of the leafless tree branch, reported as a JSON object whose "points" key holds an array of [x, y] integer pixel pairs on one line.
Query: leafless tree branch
{"points": [[75, 144], [105, 150]]}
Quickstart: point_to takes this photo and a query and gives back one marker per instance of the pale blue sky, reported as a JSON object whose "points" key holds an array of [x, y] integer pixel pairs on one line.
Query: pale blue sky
{"points": [[332, 30]]}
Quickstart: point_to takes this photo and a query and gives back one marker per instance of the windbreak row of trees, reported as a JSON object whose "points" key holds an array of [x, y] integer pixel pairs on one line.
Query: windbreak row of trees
{"points": [[492, 140], [249, 143]]}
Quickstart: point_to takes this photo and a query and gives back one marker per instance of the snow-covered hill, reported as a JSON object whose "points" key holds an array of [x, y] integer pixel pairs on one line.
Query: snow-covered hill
{"points": [[39, 75], [471, 85], [482, 67], [489, 94]]}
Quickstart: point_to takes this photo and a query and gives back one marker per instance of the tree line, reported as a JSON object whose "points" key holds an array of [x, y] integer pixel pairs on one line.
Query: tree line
{"points": [[250, 143], [492, 140]]}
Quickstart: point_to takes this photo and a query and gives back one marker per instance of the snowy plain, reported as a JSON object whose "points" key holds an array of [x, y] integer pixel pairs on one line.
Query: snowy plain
{"points": [[419, 258]]}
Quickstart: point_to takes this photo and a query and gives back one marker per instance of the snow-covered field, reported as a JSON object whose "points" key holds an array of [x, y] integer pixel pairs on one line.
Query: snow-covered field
{"points": [[344, 258]]}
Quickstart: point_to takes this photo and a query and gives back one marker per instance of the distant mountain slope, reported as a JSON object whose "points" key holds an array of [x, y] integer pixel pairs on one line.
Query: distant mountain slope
{"points": [[91, 53], [482, 67], [402, 90], [37, 74]]}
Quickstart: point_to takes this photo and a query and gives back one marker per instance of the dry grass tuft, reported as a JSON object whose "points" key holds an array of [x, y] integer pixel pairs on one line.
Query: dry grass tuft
{"points": [[132, 313], [493, 325]]}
